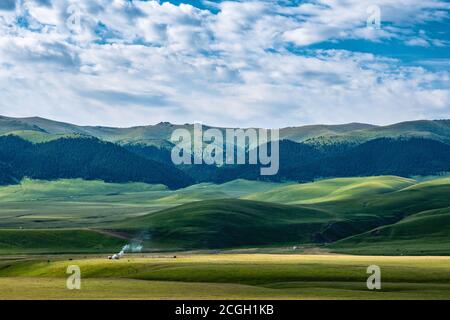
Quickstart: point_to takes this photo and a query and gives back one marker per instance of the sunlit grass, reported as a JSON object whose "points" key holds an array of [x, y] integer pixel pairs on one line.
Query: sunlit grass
{"points": [[230, 276]]}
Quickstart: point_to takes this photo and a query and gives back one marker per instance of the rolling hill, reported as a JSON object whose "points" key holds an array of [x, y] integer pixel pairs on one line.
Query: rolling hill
{"points": [[115, 179], [157, 135], [77, 203], [438, 130], [423, 233], [228, 223], [332, 190], [373, 215], [235, 223], [29, 190], [39, 136], [311, 132], [160, 133], [423, 230], [205, 191], [57, 241]]}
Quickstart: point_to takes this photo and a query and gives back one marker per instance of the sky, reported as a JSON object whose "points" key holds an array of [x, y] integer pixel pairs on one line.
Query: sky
{"points": [[267, 63]]}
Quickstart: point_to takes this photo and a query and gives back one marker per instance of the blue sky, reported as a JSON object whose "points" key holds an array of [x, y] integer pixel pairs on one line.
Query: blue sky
{"points": [[231, 63]]}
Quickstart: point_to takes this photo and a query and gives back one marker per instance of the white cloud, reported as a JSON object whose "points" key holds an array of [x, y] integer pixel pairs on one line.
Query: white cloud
{"points": [[420, 42], [150, 62]]}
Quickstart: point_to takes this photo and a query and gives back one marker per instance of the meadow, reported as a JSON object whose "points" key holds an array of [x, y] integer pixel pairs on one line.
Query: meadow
{"points": [[383, 215], [238, 240], [227, 276], [70, 203]]}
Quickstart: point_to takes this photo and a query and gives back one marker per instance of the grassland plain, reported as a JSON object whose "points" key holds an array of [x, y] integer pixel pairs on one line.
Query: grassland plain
{"points": [[228, 276], [71, 203], [46, 226], [373, 215]]}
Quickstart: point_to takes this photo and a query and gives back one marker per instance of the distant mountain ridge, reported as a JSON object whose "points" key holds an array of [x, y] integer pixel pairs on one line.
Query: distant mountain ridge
{"points": [[46, 149], [159, 134]]}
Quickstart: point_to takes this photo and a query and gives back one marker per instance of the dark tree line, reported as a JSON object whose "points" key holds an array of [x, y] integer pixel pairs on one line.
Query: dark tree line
{"points": [[87, 158], [90, 158], [303, 162]]}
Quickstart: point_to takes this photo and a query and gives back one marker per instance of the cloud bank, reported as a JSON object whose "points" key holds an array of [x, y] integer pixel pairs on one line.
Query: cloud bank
{"points": [[246, 63]]}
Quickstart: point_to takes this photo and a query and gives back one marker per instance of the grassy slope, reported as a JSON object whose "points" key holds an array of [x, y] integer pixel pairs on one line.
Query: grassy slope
{"points": [[423, 230], [435, 129], [157, 134], [31, 190], [38, 136], [333, 209], [57, 241], [230, 276], [160, 133], [332, 190], [230, 223], [78, 203], [301, 134], [232, 189], [74, 203], [81, 204], [423, 233], [10, 124]]}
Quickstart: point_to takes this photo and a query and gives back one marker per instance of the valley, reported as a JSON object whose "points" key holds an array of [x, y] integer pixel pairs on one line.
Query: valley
{"points": [[346, 197], [350, 215]]}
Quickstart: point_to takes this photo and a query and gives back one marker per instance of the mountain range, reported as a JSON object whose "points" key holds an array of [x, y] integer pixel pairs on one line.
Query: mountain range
{"points": [[159, 134], [45, 149]]}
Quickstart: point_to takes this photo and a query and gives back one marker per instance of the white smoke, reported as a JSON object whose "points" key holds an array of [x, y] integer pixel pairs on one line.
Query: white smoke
{"points": [[134, 247]]}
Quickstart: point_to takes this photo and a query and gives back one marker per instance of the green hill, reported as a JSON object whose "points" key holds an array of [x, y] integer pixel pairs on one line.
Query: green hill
{"points": [[229, 223], [71, 189], [428, 129], [234, 223], [160, 133], [374, 215], [157, 134], [29, 190], [39, 136], [70, 203], [15, 124], [57, 241], [332, 190], [423, 227], [436, 129], [305, 133], [204, 191], [424, 233]]}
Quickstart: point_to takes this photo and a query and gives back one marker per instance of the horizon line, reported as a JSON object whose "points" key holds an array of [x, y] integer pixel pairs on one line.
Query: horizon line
{"points": [[219, 127]]}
